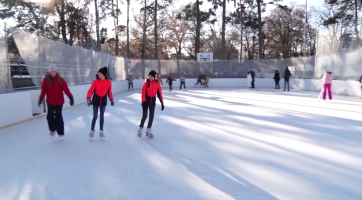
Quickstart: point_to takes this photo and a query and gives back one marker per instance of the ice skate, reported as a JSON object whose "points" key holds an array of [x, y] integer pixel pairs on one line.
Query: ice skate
{"points": [[52, 133], [91, 134], [149, 132], [61, 137], [140, 132], [101, 134]]}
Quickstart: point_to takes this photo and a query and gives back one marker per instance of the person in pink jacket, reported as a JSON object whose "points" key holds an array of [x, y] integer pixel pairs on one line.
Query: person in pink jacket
{"points": [[327, 84]]}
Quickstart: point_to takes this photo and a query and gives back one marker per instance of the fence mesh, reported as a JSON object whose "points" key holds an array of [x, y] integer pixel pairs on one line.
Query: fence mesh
{"points": [[4, 68], [79, 66], [339, 51]]}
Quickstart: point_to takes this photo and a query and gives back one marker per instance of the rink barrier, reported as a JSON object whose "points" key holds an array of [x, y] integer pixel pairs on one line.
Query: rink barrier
{"points": [[15, 108]]}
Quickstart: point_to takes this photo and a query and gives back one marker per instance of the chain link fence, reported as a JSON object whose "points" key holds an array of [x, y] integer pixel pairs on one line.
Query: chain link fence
{"points": [[79, 65], [339, 51]]}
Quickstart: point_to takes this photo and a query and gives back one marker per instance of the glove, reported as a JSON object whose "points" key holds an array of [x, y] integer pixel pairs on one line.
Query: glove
{"points": [[143, 104], [40, 101], [162, 106], [89, 102], [112, 102], [71, 101]]}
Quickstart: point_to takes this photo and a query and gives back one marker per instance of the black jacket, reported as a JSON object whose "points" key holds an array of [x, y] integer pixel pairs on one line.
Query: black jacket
{"points": [[287, 74], [276, 77]]}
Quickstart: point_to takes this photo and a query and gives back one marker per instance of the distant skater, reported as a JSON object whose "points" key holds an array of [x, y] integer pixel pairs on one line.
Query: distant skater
{"points": [[327, 84], [249, 80], [182, 81], [277, 79]]}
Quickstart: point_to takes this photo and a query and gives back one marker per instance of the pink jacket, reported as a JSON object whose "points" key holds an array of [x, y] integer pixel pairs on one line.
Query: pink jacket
{"points": [[327, 78]]}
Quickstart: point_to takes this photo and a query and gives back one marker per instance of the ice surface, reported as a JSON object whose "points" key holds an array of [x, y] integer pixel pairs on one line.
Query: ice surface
{"points": [[209, 143]]}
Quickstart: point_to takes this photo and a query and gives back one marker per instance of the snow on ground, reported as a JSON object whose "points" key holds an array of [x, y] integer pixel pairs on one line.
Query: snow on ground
{"points": [[223, 143]]}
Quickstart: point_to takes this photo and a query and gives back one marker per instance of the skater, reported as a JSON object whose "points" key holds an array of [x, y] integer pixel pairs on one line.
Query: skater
{"points": [[130, 82], [276, 79], [287, 75], [249, 80], [170, 79], [150, 89], [182, 81], [53, 87], [101, 87], [207, 79], [202, 76], [252, 78], [327, 84], [159, 78]]}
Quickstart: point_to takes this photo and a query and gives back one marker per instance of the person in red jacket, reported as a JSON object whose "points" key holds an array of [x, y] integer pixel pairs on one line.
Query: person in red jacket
{"points": [[53, 87], [101, 87], [150, 89]]}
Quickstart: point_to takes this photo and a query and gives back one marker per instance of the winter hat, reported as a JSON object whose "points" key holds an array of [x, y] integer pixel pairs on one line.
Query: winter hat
{"points": [[103, 70], [53, 67], [153, 73]]}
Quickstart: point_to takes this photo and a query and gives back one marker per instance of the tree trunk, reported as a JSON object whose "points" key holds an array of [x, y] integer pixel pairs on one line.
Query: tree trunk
{"points": [[223, 42], [144, 40], [97, 25], [260, 31], [241, 32], [128, 29], [198, 27], [62, 22], [116, 26], [356, 21], [156, 39]]}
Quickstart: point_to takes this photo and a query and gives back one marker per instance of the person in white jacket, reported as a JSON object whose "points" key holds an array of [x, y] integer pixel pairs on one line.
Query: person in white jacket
{"points": [[249, 80], [182, 81], [327, 84]]}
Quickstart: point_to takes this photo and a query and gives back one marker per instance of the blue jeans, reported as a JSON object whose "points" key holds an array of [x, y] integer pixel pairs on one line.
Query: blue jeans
{"points": [[285, 84], [95, 116]]}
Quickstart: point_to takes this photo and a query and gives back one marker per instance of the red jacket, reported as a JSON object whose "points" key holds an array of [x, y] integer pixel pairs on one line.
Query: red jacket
{"points": [[54, 93], [99, 89], [149, 93]]}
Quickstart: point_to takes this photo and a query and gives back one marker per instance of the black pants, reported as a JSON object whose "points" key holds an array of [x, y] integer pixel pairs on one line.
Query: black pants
{"points": [[199, 81], [170, 85], [55, 119], [252, 84], [129, 85], [277, 86], [144, 115], [286, 82], [95, 116], [182, 83]]}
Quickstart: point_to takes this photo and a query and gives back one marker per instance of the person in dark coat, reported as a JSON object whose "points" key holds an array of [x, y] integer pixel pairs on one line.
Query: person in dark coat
{"points": [[287, 75], [252, 79], [202, 76], [277, 79]]}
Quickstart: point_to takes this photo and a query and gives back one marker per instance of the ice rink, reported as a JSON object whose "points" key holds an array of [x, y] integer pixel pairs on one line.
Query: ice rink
{"points": [[214, 143]]}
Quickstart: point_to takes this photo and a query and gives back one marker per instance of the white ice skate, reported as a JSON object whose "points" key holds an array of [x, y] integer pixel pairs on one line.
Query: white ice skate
{"points": [[140, 132], [52, 133], [91, 134], [61, 137], [101, 135], [149, 132]]}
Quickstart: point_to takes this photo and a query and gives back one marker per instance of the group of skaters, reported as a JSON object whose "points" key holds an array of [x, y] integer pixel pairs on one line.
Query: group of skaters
{"points": [[202, 79], [53, 87]]}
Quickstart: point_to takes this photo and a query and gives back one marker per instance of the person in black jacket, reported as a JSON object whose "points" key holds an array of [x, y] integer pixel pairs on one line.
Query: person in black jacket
{"points": [[252, 79], [287, 75], [202, 76], [276, 79]]}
